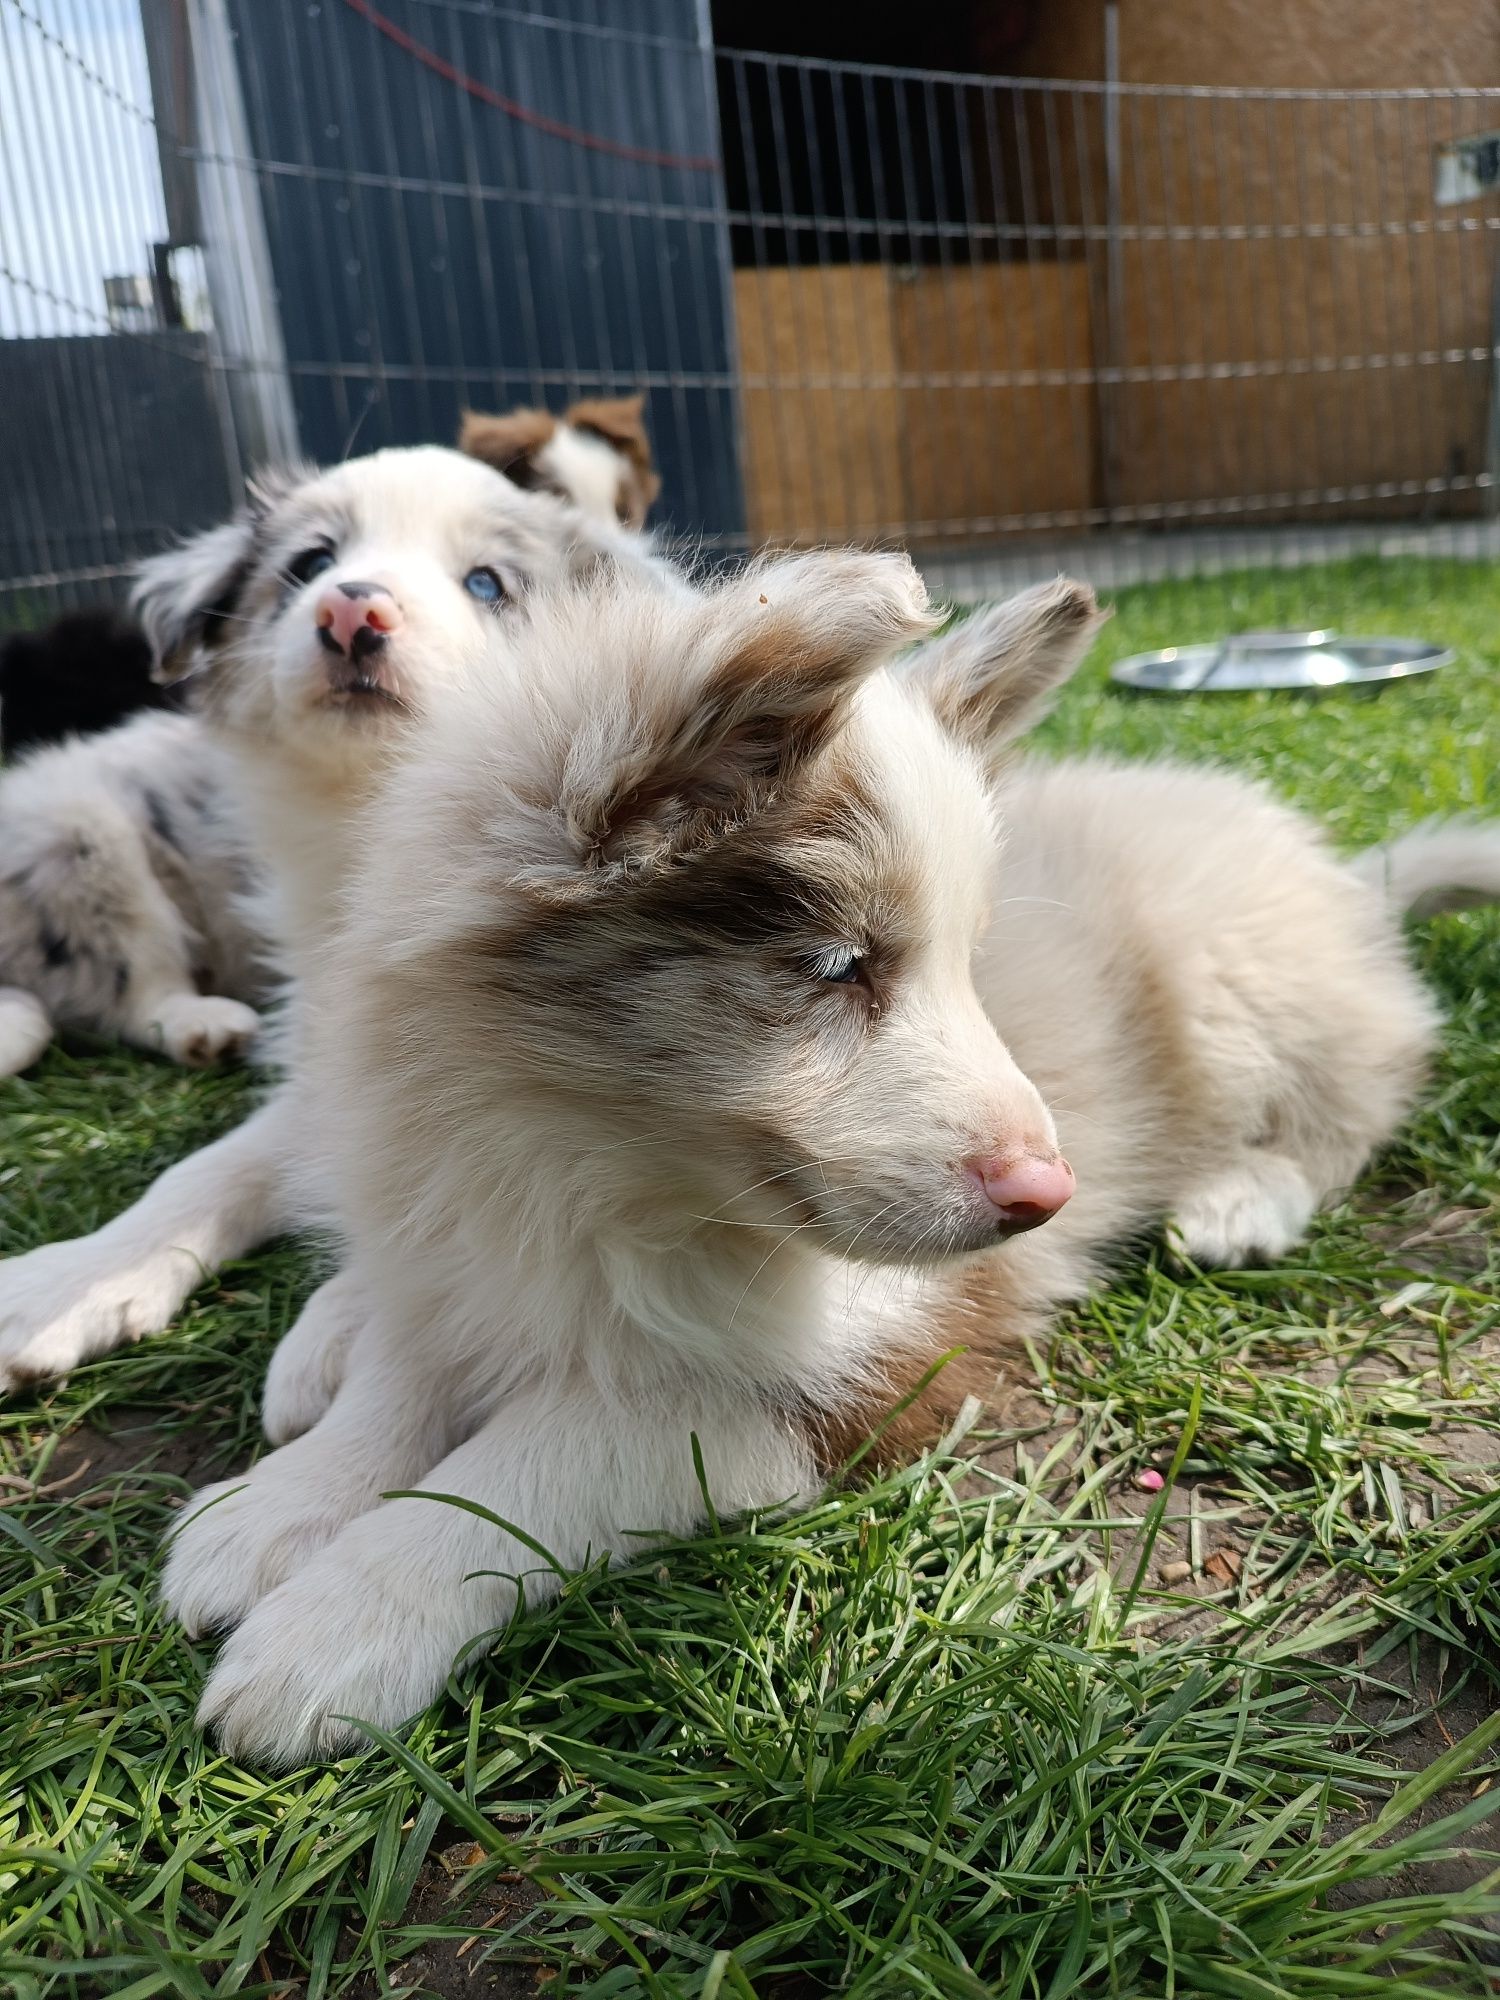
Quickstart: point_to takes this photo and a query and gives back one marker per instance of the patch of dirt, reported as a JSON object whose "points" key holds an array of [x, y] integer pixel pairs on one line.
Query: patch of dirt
{"points": [[94, 1464], [1454, 1245], [444, 1968], [1421, 1681]]}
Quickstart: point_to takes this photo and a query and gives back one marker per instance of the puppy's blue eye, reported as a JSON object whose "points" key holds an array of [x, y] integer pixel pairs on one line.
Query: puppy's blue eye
{"points": [[310, 563], [484, 585]]}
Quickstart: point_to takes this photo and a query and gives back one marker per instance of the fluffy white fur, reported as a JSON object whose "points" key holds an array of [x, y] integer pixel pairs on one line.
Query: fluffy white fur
{"points": [[584, 466], [123, 896], [308, 738], [650, 1064], [1445, 865]]}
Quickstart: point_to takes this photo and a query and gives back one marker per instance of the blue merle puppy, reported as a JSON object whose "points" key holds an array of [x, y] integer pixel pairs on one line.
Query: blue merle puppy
{"points": [[126, 902]]}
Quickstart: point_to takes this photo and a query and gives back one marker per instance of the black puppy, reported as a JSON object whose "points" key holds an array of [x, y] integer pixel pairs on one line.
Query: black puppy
{"points": [[81, 675]]}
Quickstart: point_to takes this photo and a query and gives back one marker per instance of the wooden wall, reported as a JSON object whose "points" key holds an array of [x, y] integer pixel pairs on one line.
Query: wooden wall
{"points": [[820, 412], [1301, 332], [877, 401], [978, 450], [1336, 308]]}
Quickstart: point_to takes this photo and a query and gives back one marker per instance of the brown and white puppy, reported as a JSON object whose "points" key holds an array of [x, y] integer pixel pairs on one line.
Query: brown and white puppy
{"points": [[318, 626], [707, 1060], [597, 454]]}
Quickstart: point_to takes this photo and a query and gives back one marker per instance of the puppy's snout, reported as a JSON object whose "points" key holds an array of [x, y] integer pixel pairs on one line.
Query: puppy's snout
{"points": [[354, 619], [1024, 1189]]}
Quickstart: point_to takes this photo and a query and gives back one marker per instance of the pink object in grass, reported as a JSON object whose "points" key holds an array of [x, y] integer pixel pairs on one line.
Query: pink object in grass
{"points": [[1149, 1481]]}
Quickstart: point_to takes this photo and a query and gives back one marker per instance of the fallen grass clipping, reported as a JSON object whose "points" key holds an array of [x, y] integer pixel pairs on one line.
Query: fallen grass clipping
{"points": [[1005, 1724]]}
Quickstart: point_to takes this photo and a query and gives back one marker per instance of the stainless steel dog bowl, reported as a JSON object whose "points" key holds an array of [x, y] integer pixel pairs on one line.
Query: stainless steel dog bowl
{"points": [[1278, 660]]}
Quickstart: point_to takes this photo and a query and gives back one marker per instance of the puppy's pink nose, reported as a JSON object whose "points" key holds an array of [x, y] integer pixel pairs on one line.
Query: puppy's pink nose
{"points": [[354, 618], [1022, 1188]]}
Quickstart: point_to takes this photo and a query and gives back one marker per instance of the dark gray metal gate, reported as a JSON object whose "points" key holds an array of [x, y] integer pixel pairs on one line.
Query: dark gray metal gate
{"points": [[475, 204]]}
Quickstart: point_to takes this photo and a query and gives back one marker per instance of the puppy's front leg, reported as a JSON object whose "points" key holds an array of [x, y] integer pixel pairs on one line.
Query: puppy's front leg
{"points": [[391, 1419], [370, 1627], [67, 1302], [313, 1353]]}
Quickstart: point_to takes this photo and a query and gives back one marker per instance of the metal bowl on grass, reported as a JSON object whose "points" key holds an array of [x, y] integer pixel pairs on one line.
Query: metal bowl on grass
{"points": [[1297, 660]]}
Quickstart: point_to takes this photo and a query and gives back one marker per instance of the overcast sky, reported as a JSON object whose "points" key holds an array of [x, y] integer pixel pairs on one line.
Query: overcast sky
{"points": [[80, 188]]}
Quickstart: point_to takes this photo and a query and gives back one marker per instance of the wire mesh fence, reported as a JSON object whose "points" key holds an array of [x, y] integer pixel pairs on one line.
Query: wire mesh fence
{"points": [[1016, 323]]}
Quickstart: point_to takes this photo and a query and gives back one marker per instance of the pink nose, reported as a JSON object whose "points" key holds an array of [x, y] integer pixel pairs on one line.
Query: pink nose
{"points": [[354, 618], [1022, 1188]]}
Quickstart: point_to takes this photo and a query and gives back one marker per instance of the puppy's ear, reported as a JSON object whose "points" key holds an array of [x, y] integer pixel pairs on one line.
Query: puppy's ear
{"points": [[620, 421], [185, 598], [769, 666], [510, 443], [995, 674]]}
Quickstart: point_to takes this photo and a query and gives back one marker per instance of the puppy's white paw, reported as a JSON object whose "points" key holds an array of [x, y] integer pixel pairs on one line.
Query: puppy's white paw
{"points": [[308, 1366], [229, 1548], [239, 1538], [330, 1644], [65, 1302], [1254, 1212], [202, 1028], [25, 1030]]}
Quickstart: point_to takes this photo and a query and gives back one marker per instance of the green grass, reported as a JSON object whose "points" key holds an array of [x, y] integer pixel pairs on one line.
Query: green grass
{"points": [[970, 1730]]}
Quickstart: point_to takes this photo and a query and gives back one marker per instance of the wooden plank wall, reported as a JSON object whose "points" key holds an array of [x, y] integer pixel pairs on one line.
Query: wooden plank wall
{"points": [[1332, 310], [820, 413], [882, 401], [1341, 344], [1299, 325]]}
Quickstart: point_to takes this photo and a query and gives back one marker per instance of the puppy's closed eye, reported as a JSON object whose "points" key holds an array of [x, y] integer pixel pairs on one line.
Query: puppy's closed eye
{"points": [[838, 965]]}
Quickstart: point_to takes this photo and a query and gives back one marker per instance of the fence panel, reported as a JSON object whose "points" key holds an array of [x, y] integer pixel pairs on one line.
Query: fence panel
{"points": [[1015, 323]]}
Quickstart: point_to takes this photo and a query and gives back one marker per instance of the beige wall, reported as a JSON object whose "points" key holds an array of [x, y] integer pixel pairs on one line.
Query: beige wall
{"points": [[979, 452], [1297, 324], [871, 406], [1322, 272], [820, 416], [1296, 44]]}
